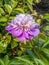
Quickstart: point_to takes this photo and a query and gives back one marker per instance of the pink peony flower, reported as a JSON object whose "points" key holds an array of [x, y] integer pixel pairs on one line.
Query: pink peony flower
{"points": [[23, 26]]}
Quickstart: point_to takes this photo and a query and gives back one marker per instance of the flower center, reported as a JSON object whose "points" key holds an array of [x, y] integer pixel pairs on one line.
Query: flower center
{"points": [[25, 26]]}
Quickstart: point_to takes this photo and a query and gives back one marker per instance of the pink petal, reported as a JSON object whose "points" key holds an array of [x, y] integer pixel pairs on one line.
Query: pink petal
{"points": [[30, 32], [15, 32], [9, 27], [35, 25], [26, 35], [30, 37], [34, 32], [22, 37]]}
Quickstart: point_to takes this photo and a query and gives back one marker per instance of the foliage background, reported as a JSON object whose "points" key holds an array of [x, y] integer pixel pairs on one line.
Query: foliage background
{"points": [[12, 51]]}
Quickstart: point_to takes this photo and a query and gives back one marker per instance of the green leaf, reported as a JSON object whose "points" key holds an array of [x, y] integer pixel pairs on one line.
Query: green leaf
{"points": [[8, 8], [6, 40], [14, 3], [4, 43], [30, 1], [19, 52], [1, 3], [3, 24], [1, 62], [14, 44], [6, 1], [6, 60], [46, 28], [46, 16], [3, 19], [46, 43], [1, 47], [1, 11], [25, 60], [32, 55], [44, 59], [0, 35], [40, 61], [43, 37], [37, 1], [20, 10], [46, 51], [16, 39]]}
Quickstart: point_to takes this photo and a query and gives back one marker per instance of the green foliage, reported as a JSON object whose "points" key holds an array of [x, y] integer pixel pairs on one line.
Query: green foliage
{"points": [[8, 8], [4, 42], [3, 19], [46, 28], [46, 16], [14, 3], [15, 52], [1, 11], [37, 1]]}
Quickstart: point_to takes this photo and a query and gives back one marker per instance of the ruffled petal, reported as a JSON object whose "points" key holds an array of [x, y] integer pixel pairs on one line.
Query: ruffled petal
{"points": [[15, 32], [22, 37], [9, 27], [26, 35], [34, 32], [30, 37], [30, 32], [34, 25]]}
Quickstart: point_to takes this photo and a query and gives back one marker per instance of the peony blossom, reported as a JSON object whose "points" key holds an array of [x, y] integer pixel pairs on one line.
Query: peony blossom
{"points": [[23, 26]]}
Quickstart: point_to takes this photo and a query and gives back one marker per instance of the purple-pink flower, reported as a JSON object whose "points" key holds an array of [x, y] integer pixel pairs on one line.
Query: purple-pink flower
{"points": [[23, 26]]}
